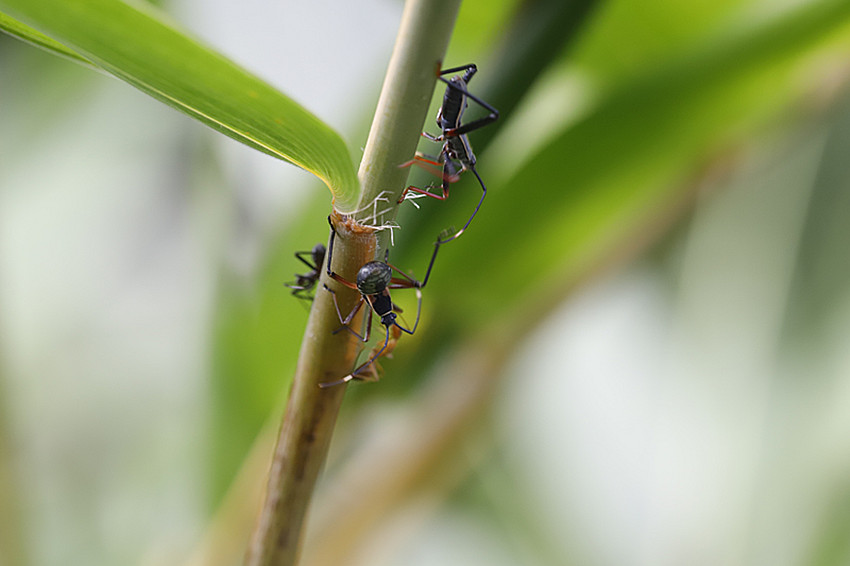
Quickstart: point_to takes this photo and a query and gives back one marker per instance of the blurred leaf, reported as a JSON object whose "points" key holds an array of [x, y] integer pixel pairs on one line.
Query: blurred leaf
{"points": [[477, 22], [649, 34], [607, 173], [823, 266], [831, 546], [136, 44], [537, 35]]}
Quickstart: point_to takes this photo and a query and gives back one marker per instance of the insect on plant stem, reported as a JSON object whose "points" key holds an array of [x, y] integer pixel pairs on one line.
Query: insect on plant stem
{"points": [[456, 155], [374, 281]]}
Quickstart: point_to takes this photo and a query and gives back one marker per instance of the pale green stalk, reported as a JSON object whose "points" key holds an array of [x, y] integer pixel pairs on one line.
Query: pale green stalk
{"points": [[325, 356], [423, 37]]}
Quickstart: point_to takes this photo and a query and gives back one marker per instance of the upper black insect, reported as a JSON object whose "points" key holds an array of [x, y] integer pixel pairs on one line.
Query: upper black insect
{"points": [[456, 155]]}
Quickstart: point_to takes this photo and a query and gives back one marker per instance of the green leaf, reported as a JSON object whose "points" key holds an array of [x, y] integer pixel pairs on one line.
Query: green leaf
{"points": [[25, 33], [136, 44]]}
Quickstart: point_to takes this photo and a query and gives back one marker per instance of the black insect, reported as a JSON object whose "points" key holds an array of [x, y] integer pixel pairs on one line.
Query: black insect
{"points": [[304, 283], [456, 155], [374, 281]]}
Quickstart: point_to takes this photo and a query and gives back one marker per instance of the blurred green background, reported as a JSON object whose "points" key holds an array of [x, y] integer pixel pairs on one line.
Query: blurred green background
{"points": [[637, 354]]}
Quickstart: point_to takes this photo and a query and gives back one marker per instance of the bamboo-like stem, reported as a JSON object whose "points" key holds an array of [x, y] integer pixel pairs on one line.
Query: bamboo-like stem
{"points": [[326, 356], [311, 411], [423, 37]]}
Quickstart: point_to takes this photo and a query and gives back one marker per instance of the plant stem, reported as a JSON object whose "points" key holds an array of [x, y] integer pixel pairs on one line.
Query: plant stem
{"points": [[325, 356], [423, 37], [305, 433]]}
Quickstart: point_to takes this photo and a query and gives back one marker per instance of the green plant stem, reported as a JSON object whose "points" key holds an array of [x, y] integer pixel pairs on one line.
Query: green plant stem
{"points": [[311, 411], [422, 41], [325, 356]]}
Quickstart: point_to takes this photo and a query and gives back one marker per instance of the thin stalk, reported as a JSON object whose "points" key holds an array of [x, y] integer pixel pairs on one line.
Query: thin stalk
{"points": [[422, 40], [311, 412], [326, 356]]}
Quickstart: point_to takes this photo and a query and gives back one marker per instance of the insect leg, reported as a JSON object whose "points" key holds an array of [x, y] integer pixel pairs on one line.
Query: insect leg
{"points": [[307, 262], [330, 252], [353, 375], [344, 322], [493, 115], [470, 69]]}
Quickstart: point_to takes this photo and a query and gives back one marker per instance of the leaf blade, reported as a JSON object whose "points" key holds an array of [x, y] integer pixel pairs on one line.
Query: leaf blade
{"points": [[138, 45], [25, 33]]}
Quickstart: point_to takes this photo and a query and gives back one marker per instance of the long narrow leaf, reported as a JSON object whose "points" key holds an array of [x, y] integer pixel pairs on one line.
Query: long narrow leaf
{"points": [[136, 44], [23, 32]]}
